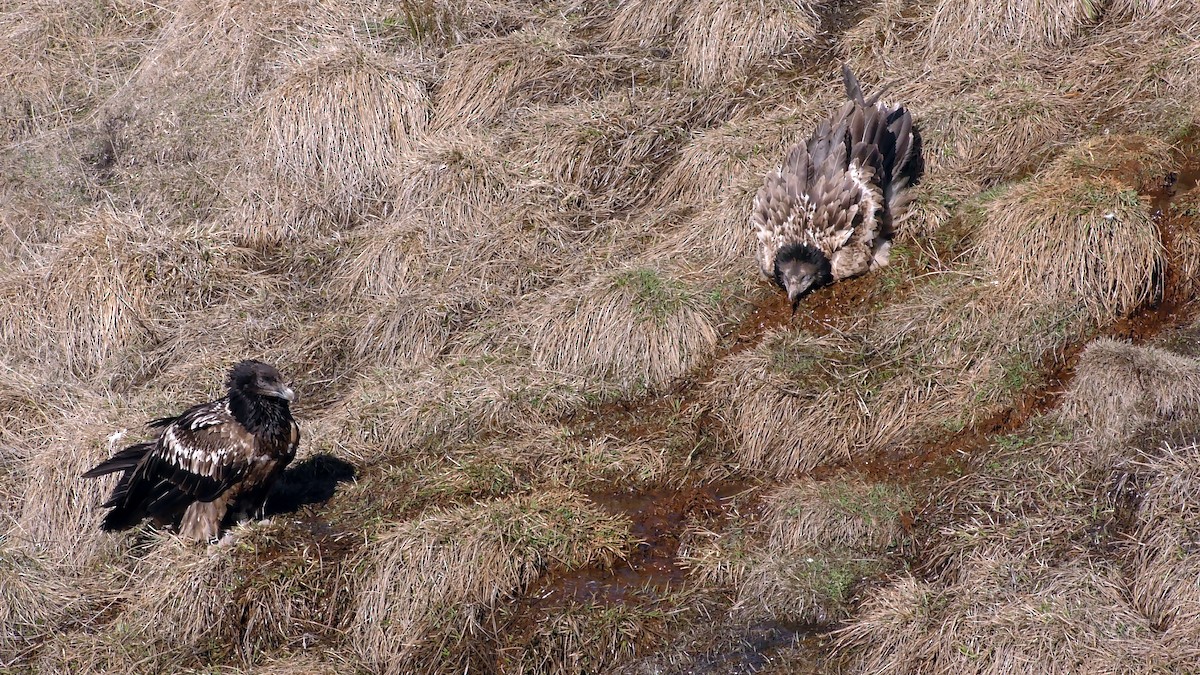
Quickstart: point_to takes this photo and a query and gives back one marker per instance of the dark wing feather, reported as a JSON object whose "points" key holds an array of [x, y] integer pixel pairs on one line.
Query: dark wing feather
{"points": [[198, 456], [123, 460], [202, 453]]}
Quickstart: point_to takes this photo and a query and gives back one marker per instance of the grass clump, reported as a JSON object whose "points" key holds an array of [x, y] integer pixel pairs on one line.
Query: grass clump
{"points": [[433, 584], [638, 328]]}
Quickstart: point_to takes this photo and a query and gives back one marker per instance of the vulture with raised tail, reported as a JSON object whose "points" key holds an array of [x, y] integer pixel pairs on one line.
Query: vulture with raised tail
{"points": [[212, 461], [829, 212]]}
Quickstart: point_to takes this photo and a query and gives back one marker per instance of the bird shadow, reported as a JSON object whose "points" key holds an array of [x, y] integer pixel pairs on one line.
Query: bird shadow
{"points": [[311, 481]]}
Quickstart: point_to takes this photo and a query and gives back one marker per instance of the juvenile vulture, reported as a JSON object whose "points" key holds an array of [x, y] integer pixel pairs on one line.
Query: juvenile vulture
{"points": [[828, 212], [213, 460]]}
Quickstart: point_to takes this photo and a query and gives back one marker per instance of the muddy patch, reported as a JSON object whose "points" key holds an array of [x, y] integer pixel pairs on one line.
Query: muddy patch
{"points": [[651, 569]]}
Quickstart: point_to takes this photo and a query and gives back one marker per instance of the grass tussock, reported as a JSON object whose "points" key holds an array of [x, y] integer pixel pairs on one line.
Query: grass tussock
{"points": [[640, 328], [788, 403], [1185, 247], [333, 128], [716, 41], [578, 638], [60, 58], [1059, 237], [962, 29], [102, 289], [58, 513], [33, 597], [804, 560], [485, 80], [739, 151], [432, 585], [611, 148], [1052, 621], [1164, 569], [990, 128], [1122, 392], [399, 412]]}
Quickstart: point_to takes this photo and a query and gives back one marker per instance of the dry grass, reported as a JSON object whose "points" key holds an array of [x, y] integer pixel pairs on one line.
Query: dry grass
{"points": [[433, 584], [613, 148], [1164, 572], [101, 290], [780, 398], [805, 558], [961, 29], [333, 127], [1122, 392], [485, 80], [639, 328], [60, 58], [470, 227], [716, 41], [582, 638], [1062, 237], [1060, 620], [1185, 248]]}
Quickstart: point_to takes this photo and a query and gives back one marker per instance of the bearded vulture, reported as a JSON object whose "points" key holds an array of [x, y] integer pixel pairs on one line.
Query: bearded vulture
{"points": [[212, 460], [828, 212]]}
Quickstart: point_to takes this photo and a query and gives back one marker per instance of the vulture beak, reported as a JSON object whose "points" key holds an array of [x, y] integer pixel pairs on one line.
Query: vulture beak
{"points": [[285, 392], [797, 290]]}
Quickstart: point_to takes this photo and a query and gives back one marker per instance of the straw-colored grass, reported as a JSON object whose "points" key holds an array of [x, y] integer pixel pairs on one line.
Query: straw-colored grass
{"points": [[1184, 250], [578, 638], [333, 127], [432, 585], [1122, 392], [1163, 585], [483, 81], [501, 250], [1064, 619], [610, 147], [59, 59], [716, 41], [639, 328], [790, 402], [805, 558], [397, 412], [1093, 239], [965, 28], [100, 291]]}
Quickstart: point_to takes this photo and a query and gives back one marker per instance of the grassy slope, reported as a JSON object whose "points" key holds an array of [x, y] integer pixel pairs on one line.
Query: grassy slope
{"points": [[502, 249]]}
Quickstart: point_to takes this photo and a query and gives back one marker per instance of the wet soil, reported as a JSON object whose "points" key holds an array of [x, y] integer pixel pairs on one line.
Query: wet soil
{"points": [[652, 569]]}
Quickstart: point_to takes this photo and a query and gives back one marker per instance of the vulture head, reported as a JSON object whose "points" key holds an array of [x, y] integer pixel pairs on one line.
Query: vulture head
{"points": [[259, 379], [800, 268]]}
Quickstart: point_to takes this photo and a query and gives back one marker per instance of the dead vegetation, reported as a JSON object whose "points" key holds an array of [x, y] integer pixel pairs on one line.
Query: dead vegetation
{"points": [[434, 583], [502, 249]]}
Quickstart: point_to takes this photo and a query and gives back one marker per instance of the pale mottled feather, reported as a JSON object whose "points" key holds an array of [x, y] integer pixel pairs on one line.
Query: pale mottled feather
{"points": [[843, 190]]}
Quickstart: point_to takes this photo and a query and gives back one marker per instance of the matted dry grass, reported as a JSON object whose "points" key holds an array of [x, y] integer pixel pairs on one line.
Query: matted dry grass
{"points": [[716, 41], [433, 584], [613, 148], [1122, 392], [639, 328], [100, 291], [60, 58], [966, 28], [483, 81], [333, 127], [1093, 240], [804, 560], [468, 222]]}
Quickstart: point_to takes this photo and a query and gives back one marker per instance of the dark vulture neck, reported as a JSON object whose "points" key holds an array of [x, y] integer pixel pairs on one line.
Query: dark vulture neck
{"points": [[265, 416]]}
